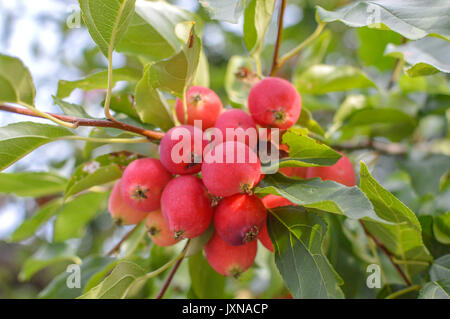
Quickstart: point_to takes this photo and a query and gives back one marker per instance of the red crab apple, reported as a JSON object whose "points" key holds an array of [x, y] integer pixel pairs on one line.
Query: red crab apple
{"points": [[121, 212], [158, 230], [202, 104], [186, 207], [239, 218], [342, 172], [274, 102], [230, 260], [265, 239], [230, 168], [240, 125], [181, 150], [143, 182], [299, 172]]}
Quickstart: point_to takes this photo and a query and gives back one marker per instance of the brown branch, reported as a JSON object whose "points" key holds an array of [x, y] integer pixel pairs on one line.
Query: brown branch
{"points": [[172, 273], [383, 148], [117, 246], [153, 135], [276, 52], [387, 253]]}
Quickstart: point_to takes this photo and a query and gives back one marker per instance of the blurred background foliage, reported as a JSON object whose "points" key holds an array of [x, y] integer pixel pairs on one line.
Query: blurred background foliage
{"points": [[414, 113]]}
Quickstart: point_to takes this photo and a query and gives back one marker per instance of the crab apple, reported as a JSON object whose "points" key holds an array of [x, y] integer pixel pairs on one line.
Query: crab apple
{"points": [[274, 201], [265, 239], [143, 182], [121, 212], [230, 260], [274, 102], [299, 172], [181, 150], [239, 218], [186, 207], [240, 125], [158, 230], [202, 104], [230, 168], [342, 172]]}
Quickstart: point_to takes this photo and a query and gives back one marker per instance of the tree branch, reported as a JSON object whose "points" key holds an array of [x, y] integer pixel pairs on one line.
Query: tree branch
{"points": [[152, 135], [276, 51], [387, 253]]}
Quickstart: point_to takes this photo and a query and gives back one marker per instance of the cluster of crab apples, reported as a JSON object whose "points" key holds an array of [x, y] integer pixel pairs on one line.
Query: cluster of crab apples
{"points": [[198, 181]]}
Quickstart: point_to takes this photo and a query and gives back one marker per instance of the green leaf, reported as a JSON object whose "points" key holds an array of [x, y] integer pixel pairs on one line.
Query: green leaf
{"points": [[76, 214], [117, 284], [441, 228], [103, 169], [298, 238], [16, 83], [97, 80], [205, 281], [436, 290], [239, 78], [314, 53], [431, 84], [229, 10], [306, 120], [107, 21], [176, 73], [440, 269], [426, 172], [31, 184], [322, 78], [151, 33], [58, 289], [373, 43], [150, 104], [71, 109], [19, 139], [130, 245], [414, 19], [100, 132], [424, 57], [29, 227], [46, 256], [305, 151], [403, 237], [257, 17], [313, 193]]}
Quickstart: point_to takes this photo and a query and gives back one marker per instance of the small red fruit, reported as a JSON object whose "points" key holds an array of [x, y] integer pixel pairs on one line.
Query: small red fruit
{"points": [[230, 260], [231, 168], [202, 104], [143, 182], [299, 172], [158, 230], [240, 125], [121, 212], [265, 239], [274, 102], [239, 218], [342, 172], [186, 207], [181, 150], [274, 201]]}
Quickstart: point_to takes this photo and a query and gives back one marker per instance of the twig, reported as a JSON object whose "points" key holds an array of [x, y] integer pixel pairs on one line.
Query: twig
{"points": [[397, 69], [278, 41], [153, 135], [384, 148], [387, 253], [169, 279], [172, 273], [298, 48], [117, 246]]}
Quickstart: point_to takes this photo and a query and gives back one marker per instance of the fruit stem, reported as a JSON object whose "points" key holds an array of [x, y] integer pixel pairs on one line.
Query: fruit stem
{"points": [[298, 48], [107, 140], [117, 246], [48, 116], [403, 291]]}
